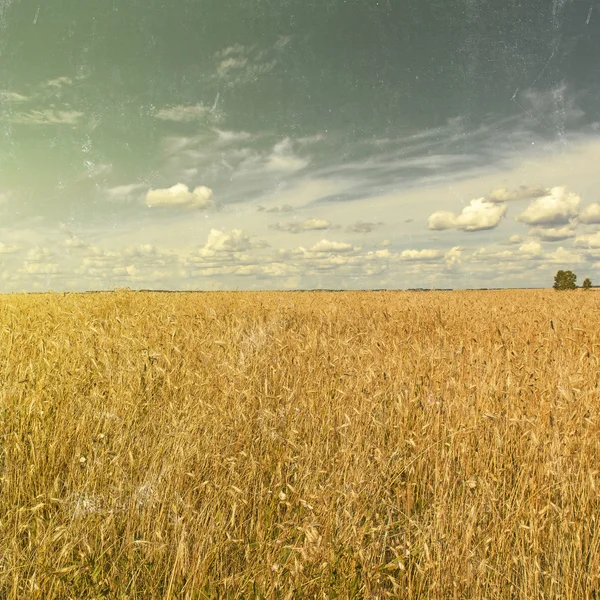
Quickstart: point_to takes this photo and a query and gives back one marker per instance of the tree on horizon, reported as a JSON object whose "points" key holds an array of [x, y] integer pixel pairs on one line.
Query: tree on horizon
{"points": [[565, 280]]}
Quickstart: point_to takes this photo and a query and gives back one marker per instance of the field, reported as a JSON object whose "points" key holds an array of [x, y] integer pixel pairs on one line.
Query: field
{"points": [[426, 445]]}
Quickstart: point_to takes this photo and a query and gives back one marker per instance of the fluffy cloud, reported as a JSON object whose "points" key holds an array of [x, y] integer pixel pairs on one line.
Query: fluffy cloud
{"points": [[234, 241], [184, 114], [180, 195], [274, 209], [590, 213], [514, 239], [327, 246], [282, 158], [225, 245], [426, 254], [522, 193], [362, 227], [58, 82], [531, 249], [552, 234], [5, 95], [588, 241], [122, 192], [453, 256], [478, 216], [563, 257], [5, 249], [308, 225], [558, 207], [441, 219]]}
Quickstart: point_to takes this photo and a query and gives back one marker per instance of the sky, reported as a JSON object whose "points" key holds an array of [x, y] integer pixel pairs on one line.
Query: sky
{"points": [[298, 144]]}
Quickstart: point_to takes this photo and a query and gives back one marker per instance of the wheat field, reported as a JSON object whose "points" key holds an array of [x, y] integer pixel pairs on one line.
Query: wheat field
{"points": [[300, 445]]}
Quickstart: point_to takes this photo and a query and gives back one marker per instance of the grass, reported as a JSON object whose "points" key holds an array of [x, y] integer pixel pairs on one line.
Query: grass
{"points": [[298, 445]]}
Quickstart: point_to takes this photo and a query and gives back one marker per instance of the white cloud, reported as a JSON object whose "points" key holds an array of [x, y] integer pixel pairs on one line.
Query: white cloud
{"points": [[453, 256], [6, 249], [221, 241], [590, 213], [307, 225], [183, 114], [362, 227], [231, 64], [282, 158], [552, 234], [426, 254], [225, 137], [521, 193], [564, 257], [121, 192], [531, 249], [74, 242], [46, 117], [39, 254], [515, 239], [5, 95], [327, 246], [588, 240], [39, 268], [441, 219], [58, 82], [180, 195], [479, 215], [556, 208]]}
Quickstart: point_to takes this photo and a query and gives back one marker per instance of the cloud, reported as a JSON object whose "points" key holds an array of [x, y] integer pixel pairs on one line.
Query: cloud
{"points": [[363, 227], [556, 208], [226, 137], [563, 257], [122, 192], [7, 96], [327, 246], [240, 64], [274, 209], [514, 239], [5, 249], [282, 158], [184, 114], [231, 64], [224, 246], [96, 170], [39, 268], [521, 193], [531, 249], [478, 216], [424, 255], [552, 234], [590, 214], [308, 225], [440, 220], [180, 195], [453, 256], [588, 240], [58, 82], [46, 117]]}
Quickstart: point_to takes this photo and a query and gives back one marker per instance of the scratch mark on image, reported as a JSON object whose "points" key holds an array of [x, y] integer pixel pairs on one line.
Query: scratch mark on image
{"points": [[37, 14], [587, 21], [544, 69]]}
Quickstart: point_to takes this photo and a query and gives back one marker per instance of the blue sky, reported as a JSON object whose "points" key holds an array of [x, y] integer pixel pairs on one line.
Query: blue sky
{"points": [[283, 145]]}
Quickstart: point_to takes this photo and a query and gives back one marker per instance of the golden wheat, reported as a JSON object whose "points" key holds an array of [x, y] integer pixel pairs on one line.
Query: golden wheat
{"points": [[300, 445]]}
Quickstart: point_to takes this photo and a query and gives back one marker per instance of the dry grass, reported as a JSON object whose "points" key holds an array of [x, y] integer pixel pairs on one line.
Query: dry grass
{"points": [[300, 445]]}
